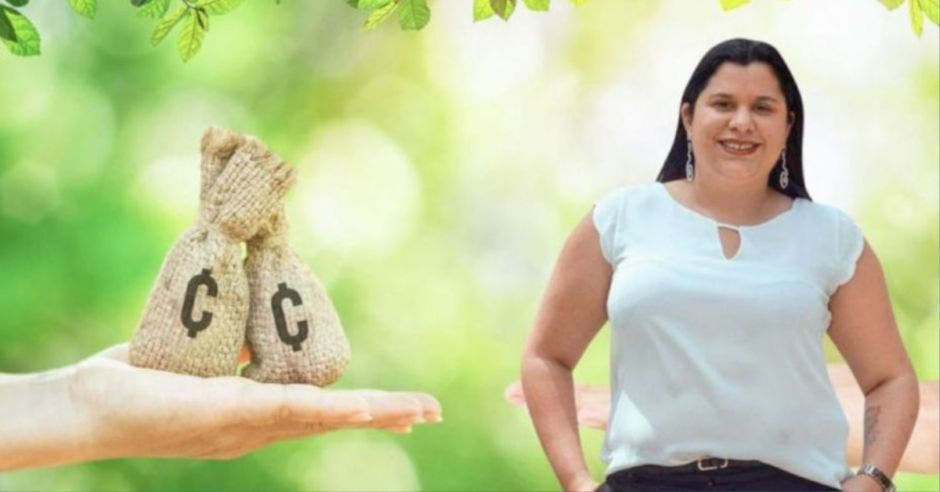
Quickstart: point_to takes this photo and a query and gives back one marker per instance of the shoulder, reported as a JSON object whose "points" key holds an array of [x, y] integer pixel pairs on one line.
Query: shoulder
{"points": [[629, 193], [825, 215], [832, 227], [832, 231], [622, 204], [616, 213]]}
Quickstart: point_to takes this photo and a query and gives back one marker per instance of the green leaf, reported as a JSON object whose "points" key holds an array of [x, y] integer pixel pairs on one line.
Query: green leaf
{"points": [[414, 14], [219, 7], [482, 10], [892, 4], [917, 17], [379, 15], [202, 17], [371, 5], [503, 8], [191, 37], [537, 5], [727, 5], [931, 9], [154, 9], [25, 33], [166, 24], [6, 28], [86, 8], [18, 3]]}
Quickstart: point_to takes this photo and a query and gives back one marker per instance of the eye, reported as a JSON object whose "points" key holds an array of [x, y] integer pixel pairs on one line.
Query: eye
{"points": [[765, 109], [721, 104]]}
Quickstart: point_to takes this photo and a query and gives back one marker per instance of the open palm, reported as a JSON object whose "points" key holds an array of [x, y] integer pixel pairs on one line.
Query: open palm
{"points": [[132, 411]]}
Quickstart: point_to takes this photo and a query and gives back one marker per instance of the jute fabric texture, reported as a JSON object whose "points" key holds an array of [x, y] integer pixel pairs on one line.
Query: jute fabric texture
{"points": [[195, 319]]}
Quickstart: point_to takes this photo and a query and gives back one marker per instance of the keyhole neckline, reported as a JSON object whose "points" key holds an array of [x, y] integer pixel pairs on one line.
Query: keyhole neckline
{"points": [[717, 223]]}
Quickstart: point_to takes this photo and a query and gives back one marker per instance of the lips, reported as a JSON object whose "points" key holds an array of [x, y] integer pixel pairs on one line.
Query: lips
{"points": [[738, 147]]}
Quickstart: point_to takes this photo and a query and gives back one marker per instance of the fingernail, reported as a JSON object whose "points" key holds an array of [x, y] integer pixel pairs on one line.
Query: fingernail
{"points": [[436, 418], [361, 417]]}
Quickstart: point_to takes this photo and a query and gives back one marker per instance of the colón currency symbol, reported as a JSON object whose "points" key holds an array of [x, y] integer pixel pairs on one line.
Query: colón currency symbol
{"points": [[192, 325], [284, 292]]}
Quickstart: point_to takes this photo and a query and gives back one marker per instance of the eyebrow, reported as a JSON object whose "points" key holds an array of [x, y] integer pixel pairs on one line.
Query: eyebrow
{"points": [[759, 98]]}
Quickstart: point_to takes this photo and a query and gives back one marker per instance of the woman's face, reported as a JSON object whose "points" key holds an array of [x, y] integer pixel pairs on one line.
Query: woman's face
{"points": [[740, 123]]}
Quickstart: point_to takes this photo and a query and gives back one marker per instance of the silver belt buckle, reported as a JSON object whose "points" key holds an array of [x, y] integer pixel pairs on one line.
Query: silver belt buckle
{"points": [[704, 467]]}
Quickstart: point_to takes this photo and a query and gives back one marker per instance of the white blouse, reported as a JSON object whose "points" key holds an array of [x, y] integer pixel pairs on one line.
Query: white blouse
{"points": [[723, 357]]}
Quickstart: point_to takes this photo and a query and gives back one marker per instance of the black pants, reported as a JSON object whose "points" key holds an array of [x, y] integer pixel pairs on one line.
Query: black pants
{"points": [[737, 475]]}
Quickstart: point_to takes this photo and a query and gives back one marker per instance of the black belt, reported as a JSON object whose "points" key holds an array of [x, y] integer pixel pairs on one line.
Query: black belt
{"points": [[703, 474], [699, 466]]}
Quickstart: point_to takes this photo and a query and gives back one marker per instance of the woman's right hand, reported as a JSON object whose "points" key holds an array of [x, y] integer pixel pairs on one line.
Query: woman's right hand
{"points": [[582, 484]]}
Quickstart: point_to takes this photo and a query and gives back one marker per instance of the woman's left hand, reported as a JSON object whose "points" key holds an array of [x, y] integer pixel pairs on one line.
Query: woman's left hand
{"points": [[861, 483]]}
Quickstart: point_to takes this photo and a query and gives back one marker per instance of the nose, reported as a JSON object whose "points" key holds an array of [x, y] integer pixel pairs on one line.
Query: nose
{"points": [[741, 120]]}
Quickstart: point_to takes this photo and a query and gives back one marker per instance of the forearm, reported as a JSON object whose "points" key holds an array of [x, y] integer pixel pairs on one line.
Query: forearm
{"points": [[922, 454], [890, 413], [923, 451], [549, 390], [40, 425]]}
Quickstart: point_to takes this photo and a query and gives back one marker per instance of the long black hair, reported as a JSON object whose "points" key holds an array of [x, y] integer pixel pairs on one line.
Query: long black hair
{"points": [[743, 52]]}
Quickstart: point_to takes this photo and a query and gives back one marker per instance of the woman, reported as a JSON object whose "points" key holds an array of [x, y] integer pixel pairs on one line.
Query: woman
{"points": [[719, 281]]}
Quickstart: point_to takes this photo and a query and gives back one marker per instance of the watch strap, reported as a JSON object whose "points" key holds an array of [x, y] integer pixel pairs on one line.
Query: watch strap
{"points": [[879, 476]]}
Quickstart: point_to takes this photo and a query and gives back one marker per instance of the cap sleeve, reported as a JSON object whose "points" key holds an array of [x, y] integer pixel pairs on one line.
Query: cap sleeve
{"points": [[608, 214], [849, 244]]}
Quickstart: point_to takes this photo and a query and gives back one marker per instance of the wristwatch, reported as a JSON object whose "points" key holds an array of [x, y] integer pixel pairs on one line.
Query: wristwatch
{"points": [[879, 476]]}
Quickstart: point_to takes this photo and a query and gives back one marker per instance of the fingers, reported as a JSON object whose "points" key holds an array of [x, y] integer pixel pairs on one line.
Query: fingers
{"points": [[592, 391], [402, 406], [304, 403], [431, 408], [592, 403], [263, 404], [514, 394], [270, 404], [592, 420], [391, 406], [310, 404], [301, 430], [272, 412]]}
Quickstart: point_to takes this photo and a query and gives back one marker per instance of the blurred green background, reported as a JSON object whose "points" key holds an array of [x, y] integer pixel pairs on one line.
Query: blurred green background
{"points": [[439, 173]]}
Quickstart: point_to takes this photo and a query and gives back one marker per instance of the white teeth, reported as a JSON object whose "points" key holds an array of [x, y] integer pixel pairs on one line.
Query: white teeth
{"points": [[736, 146]]}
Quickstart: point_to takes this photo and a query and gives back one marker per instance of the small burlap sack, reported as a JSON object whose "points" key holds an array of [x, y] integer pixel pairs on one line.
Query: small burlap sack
{"points": [[294, 331], [194, 321]]}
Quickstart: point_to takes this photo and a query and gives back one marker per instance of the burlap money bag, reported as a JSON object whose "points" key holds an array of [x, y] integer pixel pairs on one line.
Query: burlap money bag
{"points": [[194, 321], [293, 329]]}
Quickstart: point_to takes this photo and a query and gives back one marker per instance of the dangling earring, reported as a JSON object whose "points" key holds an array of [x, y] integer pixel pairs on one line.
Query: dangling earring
{"points": [[689, 172], [784, 173]]}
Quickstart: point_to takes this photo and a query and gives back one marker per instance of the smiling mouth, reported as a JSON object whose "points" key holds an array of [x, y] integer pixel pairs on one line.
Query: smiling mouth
{"points": [[738, 148]]}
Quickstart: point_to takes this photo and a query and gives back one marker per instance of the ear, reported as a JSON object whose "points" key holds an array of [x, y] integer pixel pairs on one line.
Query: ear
{"points": [[791, 117], [685, 113]]}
